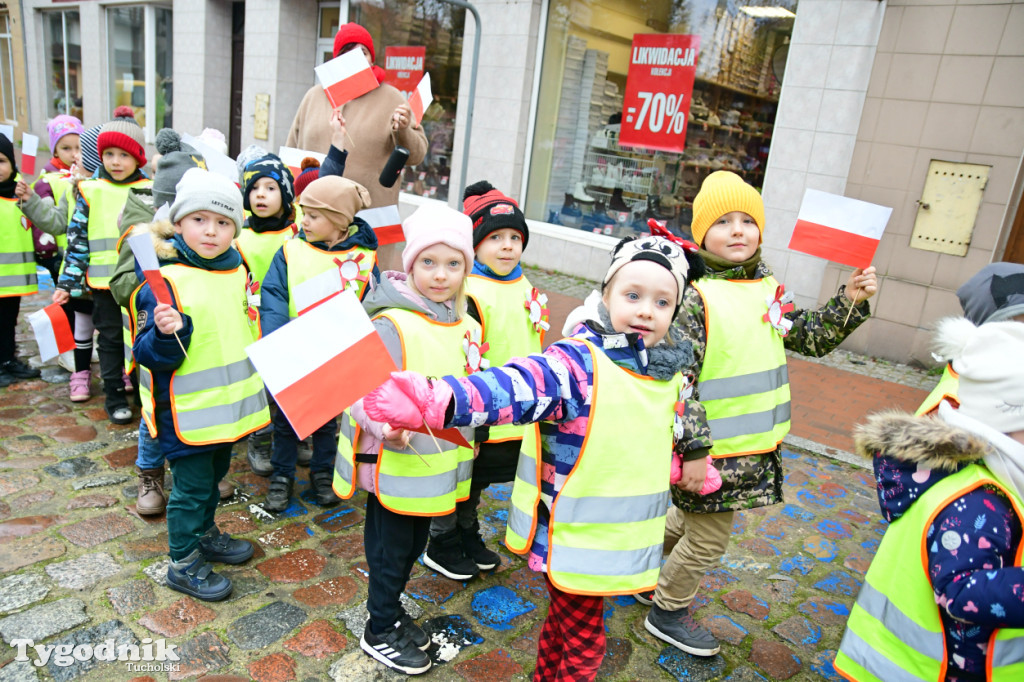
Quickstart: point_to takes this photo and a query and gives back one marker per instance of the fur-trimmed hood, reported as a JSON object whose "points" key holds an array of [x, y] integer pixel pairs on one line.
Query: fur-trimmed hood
{"points": [[911, 454], [161, 232]]}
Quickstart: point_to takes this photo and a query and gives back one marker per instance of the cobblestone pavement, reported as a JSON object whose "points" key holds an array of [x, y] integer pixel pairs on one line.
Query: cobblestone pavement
{"points": [[77, 565]]}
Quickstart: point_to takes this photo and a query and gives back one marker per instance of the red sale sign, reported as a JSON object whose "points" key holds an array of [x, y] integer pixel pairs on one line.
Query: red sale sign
{"points": [[404, 67], [659, 87]]}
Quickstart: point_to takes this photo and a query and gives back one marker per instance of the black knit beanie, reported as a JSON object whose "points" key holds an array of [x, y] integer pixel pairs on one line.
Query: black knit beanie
{"points": [[270, 166]]}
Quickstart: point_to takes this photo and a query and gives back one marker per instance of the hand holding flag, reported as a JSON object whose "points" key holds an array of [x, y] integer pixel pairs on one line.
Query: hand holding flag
{"points": [[142, 246], [839, 229], [346, 77]]}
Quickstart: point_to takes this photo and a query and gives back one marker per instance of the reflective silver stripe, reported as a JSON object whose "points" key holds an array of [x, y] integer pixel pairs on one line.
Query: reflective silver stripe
{"points": [[343, 468], [749, 424], [424, 445], [102, 245], [879, 606], [101, 270], [526, 469], [416, 487], [126, 321], [220, 415], [146, 379], [605, 561], [16, 258], [127, 351], [464, 471], [1007, 652], [623, 509], [746, 384], [214, 377], [348, 430], [519, 521], [18, 280], [864, 655]]}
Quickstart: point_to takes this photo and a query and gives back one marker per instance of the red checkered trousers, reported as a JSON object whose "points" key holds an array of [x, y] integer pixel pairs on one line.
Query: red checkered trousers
{"points": [[572, 643]]}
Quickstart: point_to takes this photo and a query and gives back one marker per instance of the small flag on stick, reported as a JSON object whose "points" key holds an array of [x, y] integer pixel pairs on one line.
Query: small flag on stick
{"points": [[53, 333], [839, 229], [420, 98], [346, 77], [29, 149], [145, 254], [386, 223], [292, 157]]}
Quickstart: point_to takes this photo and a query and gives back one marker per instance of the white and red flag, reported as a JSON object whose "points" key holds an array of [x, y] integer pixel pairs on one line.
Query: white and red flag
{"points": [[292, 157], [29, 150], [53, 333], [420, 98], [346, 77], [386, 223], [215, 161], [142, 246], [322, 380], [839, 229]]}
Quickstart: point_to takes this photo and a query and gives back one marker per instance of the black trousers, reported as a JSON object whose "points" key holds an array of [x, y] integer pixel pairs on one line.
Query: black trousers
{"points": [[392, 542], [286, 447], [9, 307], [106, 316]]}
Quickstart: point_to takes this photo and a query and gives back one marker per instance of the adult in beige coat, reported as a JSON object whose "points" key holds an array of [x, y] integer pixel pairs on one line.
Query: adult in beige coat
{"points": [[376, 123]]}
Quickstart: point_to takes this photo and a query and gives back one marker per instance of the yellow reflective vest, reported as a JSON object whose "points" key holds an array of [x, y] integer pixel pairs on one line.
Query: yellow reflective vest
{"points": [[895, 630], [946, 389], [258, 248], [744, 382], [306, 261], [607, 523], [216, 395], [405, 484], [17, 252], [60, 186], [105, 200]]}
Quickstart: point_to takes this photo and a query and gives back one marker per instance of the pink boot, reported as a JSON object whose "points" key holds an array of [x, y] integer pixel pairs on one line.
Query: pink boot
{"points": [[128, 387], [80, 386]]}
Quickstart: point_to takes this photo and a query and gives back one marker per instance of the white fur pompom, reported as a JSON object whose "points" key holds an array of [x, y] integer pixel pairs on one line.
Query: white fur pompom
{"points": [[952, 335]]}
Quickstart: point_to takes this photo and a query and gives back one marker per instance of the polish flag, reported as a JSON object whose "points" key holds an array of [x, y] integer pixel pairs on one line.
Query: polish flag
{"points": [[293, 157], [839, 229], [317, 290], [317, 384], [142, 246], [346, 77], [386, 223], [420, 98], [53, 333], [452, 435], [29, 149]]}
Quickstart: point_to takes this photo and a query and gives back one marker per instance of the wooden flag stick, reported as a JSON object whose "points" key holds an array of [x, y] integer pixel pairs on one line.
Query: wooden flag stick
{"points": [[434, 437], [853, 304], [427, 464], [180, 344]]}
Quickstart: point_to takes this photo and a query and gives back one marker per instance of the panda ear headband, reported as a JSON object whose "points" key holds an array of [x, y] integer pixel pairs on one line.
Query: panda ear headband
{"points": [[673, 253]]}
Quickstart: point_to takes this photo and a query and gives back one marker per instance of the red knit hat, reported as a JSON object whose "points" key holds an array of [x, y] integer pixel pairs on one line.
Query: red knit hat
{"points": [[353, 33], [491, 210], [310, 172], [124, 134]]}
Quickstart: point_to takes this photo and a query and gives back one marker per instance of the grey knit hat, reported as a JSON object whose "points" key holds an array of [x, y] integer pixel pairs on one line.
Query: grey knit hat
{"points": [[201, 190], [995, 293], [176, 158]]}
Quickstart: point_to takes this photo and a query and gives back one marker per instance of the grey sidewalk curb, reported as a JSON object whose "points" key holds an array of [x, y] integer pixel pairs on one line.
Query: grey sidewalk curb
{"points": [[826, 451]]}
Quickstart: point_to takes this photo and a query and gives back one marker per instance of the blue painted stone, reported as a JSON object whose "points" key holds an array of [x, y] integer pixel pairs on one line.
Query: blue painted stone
{"points": [[623, 600], [725, 628], [448, 636], [716, 579], [773, 528], [699, 601], [871, 545], [500, 492], [686, 668], [799, 513], [820, 548], [497, 606], [798, 563], [823, 665], [293, 509], [498, 518], [833, 530], [337, 519], [839, 582], [799, 631], [825, 611], [789, 454], [746, 675], [808, 497]]}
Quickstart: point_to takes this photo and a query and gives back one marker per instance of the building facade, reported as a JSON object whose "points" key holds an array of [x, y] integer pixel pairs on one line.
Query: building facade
{"points": [[857, 97]]}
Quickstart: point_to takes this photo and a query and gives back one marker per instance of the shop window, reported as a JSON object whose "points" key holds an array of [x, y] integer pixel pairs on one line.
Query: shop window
{"points": [[9, 110], [63, 44], [329, 20], [581, 177], [436, 28], [140, 55]]}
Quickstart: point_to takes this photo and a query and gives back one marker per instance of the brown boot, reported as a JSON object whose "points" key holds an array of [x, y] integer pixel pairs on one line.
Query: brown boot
{"points": [[227, 490], [151, 500]]}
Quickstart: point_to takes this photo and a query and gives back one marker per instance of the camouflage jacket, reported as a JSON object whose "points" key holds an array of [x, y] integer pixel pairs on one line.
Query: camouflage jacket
{"points": [[753, 480]]}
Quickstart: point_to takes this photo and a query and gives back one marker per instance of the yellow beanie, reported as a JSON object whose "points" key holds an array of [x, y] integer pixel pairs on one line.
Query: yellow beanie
{"points": [[723, 192]]}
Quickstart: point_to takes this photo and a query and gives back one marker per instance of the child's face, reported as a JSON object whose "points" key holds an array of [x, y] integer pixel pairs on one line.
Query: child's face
{"points": [[265, 198], [734, 237], [119, 163], [319, 228], [438, 272], [501, 250], [641, 298], [69, 150], [5, 168], [207, 233]]}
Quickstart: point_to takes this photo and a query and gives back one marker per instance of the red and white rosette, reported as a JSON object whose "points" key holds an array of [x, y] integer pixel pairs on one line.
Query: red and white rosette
{"points": [[474, 351], [536, 307], [778, 306], [252, 298], [350, 271]]}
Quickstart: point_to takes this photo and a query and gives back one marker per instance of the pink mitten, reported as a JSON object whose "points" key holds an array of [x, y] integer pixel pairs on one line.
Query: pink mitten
{"points": [[676, 473], [712, 480], [389, 404], [432, 397]]}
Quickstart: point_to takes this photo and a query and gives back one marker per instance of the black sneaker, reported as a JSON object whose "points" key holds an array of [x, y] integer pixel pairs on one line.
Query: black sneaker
{"points": [[444, 554], [395, 649], [223, 548], [6, 379], [258, 449], [473, 547], [19, 370], [679, 629], [646, 598], [322, 483], [305, 451], [118, 411], [280, 494], [194, 576], [415, 632]]}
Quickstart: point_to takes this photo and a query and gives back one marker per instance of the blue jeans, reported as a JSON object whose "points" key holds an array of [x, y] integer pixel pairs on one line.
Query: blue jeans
{"points": [[150, 455]]}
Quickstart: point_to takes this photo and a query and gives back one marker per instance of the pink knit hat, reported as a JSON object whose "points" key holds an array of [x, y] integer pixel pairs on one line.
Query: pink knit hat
{"points": [[437, 224], [60, 126]]}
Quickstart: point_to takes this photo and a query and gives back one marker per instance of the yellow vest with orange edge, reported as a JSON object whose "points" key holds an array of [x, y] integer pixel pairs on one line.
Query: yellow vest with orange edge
{"points": [[105, 200], [946, 389], [405, 483], [17, 252], [216, 394], [607, 523], [744, 381], [306, 261], [507, 331], [60, 185], [258, 248]]}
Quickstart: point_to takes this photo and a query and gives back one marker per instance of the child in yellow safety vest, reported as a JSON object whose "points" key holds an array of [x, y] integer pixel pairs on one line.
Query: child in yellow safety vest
{"points": [[17, 267], [589, 508], [740, 322], [332, 240], [192, 363]]}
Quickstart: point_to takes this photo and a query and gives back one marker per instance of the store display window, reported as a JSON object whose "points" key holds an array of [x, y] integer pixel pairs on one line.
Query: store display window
{"points": [[141, 78], [63, 44], [438, 27], [580, 176]]}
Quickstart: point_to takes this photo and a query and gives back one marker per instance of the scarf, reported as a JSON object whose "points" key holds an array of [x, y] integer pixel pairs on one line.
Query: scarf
{"points": [[101, 172], [1005, 459], [7, 186], [229, 260], [718, 264], [484, 271], [60, 165], [270, 224]]}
